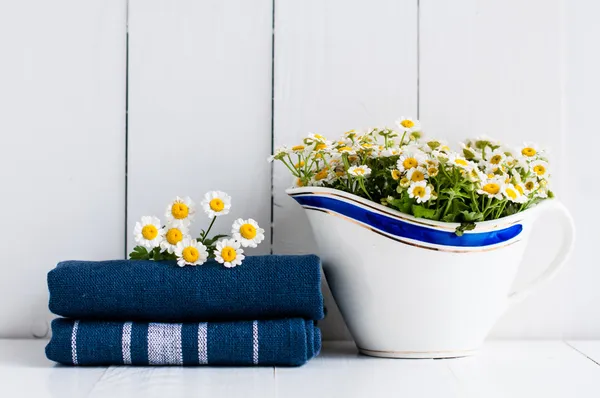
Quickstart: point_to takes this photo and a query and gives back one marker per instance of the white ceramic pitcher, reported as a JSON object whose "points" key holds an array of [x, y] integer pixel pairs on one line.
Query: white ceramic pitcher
{"points": [[410, 287]]}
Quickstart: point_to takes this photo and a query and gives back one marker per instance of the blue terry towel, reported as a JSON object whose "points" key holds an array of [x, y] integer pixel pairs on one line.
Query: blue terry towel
{"points": [[281, 342], [263, 287]]}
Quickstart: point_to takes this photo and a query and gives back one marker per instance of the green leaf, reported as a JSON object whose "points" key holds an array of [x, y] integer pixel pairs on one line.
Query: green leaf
{"points": [[139, 253], [421, 212], [466, 226], [472, 216], [214, 239]]}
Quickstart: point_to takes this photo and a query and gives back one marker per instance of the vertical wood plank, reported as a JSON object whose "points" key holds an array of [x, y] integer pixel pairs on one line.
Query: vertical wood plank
{"points": [[582, 63], [62, 153], [339, 65], [200, 108], [494, 68]]}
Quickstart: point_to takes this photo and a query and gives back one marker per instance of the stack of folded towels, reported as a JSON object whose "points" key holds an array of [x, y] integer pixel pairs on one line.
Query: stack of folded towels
{"points": [[154, 313]]}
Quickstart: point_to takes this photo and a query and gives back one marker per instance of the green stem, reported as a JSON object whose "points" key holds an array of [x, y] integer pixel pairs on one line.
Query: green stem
{"points": [[362, 185], [204, 235]]}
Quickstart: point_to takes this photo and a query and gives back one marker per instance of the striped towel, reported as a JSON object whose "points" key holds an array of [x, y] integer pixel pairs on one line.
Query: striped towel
{"points": [[282, 342]]}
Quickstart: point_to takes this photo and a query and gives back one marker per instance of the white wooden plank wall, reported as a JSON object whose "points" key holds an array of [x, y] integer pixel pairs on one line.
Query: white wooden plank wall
{"points": [[62, 147], [200, 108], [201, 117], [339, 65]]}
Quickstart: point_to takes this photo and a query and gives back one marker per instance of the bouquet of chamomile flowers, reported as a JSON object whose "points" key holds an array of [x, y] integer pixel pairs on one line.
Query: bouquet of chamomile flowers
{"points": [[173, 241], [396, 167]]}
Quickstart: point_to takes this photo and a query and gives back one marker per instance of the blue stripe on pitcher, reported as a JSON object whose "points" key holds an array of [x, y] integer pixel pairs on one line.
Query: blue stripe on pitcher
{"points": [[407, 230]]}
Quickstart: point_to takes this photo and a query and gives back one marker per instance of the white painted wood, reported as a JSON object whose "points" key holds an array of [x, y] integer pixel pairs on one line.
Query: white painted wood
{"points": [[162, 382], [341, 372], [582, 63], [200, 107], [503, 369], [25, 372], [62, 151], [339, 65], [527, 369], [494, 68], [588, 348]]}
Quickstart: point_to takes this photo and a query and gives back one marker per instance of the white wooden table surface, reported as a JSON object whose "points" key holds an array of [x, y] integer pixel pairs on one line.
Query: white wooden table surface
{"points": [[503, 369]]}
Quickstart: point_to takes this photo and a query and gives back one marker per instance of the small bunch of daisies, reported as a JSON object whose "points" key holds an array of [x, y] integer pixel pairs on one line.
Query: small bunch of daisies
{"points": [[173, 241], [396, 167]]}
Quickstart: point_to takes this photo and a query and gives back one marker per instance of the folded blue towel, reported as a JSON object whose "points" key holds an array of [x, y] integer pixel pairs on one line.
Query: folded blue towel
{"points": [[282, 342], [263, 287]]}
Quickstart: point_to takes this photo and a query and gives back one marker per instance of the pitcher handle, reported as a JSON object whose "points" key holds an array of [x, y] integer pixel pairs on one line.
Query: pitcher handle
{"points": [[568, 229]]}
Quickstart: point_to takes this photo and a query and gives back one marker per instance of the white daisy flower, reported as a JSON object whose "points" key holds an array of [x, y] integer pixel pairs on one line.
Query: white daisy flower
{"points": [[229, 253], [148, 232], [190, 252], [492, 188], [496, 157], [513, 194], [410, 159], [247, 232], [359, 171], [279, 153], [181, 211], [404, 182], [317, 138], [416, 174], [408, 124], [459, 161], [530, 185], [174, 234], [216, 203], [529, 150], [539, 168], [387, 152], [420, 191], [347, 149]]}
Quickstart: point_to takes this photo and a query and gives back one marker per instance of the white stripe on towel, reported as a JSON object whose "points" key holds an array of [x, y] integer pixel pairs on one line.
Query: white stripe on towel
{"points": [[126, 343], [202, 343], [255, 342], [74, 342], [164, 344]]}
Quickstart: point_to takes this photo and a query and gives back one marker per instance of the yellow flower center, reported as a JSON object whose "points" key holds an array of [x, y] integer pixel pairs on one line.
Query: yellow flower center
{"points": [[248, 231], [359, 171], [528, 152], [520, 189], [417, 176], [529, 185], [174, 236], [318, 147], [321, 175], [228, 253], [491, 188], [495, 159], [345, 149], [216, 204], [432, 171], [300, 164], [409, 163], [190, 254], [319, 137], [339, 173], [461, 162], [299, 182], [149, 232], [179, 210], [407, 123], [419, 191], [511, 193], [539, 170], [298, 148], [396, 174]]}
